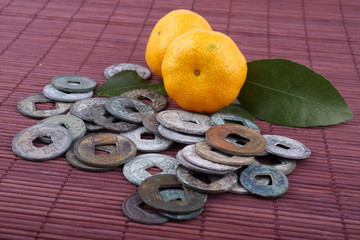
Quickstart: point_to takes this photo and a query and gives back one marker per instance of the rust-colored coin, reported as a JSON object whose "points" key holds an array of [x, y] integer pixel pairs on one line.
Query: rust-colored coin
{"points": [[132, 209], [189, 179], [158, 101], [149, 191], [85, 150], [236, 139], [204, 150]]}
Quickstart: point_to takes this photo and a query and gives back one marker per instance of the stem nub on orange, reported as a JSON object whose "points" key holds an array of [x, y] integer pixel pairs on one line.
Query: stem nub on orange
{"points": [[203, 71], [166, 30]]}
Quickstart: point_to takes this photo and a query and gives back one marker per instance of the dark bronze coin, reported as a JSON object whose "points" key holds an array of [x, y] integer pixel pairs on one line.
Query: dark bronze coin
{"points": [[128, 109], [149, 191], [73, 160], [85, 150], [22, 144], [132, 209], [102, 118], [151, 124], [73, 83], [235, 139], [189, 179], [204, 150], [158, 101], [279, 182], [27, 106]]}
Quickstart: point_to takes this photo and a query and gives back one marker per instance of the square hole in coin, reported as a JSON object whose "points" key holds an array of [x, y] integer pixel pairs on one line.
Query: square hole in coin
{"points": [[131, 109], [145, 100], [237, 139], [259, 178], [74, 83], [190, 121], [147, 136], [104, 149], [234, 122], [45, 106], [154, 170], [175, 197], [282, 146], [39, 143]]}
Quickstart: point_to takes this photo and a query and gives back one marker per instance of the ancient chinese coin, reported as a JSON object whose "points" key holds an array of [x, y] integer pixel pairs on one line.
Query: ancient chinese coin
{"points": [[22, 144], [73, 83], [27, 106]]}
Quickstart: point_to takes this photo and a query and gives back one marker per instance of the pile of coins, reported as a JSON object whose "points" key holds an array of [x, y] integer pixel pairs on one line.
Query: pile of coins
{"points": [[218, 156]]}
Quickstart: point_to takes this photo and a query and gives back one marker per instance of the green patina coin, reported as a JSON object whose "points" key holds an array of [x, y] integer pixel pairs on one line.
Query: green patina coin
{"points": [[73, 83], [279, 182]]}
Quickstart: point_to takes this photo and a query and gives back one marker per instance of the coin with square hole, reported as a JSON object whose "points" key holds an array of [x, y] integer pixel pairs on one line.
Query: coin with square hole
{"points": [[179, 137], [53, 93], [285, 165], [182, 160], [133, 208], [192, 157], [136, 170], [286, 147], [82, 108], [23, 142], [150, 188], [235, 139], [73, 124], [73, 160], [226, 118], [27, 106], [204, 150], [73, 83], [151, 124], [146, 141], [157, 101], [278, 185], [185, 122], [85, 150], [143, 72], [103, 118], [201, 182], [128, 109], [173, 195]]}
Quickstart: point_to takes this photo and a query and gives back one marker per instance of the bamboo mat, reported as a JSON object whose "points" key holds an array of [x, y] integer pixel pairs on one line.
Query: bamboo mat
{"points": [[40, 39]]}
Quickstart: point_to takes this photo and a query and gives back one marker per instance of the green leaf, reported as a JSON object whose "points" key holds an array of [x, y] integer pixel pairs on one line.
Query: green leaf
{"points": [[286, 93], [125, 81], [238, 110]]}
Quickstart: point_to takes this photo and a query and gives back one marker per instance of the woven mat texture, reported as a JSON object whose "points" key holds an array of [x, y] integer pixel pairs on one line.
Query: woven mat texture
{"points": [[40, 39]]}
